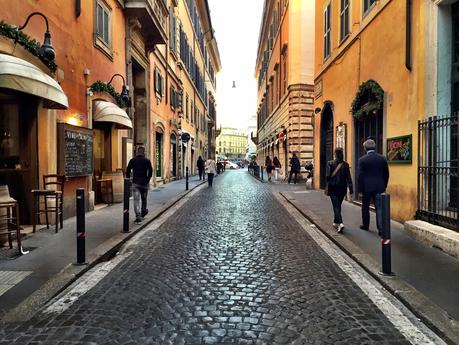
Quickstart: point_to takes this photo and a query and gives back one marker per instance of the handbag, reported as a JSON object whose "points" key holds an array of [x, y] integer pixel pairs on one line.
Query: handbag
{"points": [[326, 192]]}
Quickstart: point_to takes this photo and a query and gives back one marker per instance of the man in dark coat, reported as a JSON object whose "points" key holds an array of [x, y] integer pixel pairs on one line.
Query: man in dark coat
{"points": [[373, 179], [295, 167], [142, 173]]}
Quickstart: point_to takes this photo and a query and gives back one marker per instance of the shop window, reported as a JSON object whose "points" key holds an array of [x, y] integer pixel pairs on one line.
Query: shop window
{"points": [[327, 31], [344, 20]]}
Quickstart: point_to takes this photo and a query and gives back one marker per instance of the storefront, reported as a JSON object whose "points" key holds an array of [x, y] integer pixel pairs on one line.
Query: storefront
{"points": [[26, 95]]}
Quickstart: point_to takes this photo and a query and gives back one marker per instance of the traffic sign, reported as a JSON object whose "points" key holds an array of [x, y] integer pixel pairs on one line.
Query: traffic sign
{"points": [[185, 137]]}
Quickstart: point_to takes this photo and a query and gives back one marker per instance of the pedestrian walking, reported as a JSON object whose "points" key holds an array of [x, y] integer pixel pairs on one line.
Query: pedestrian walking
{"points": [[269, 167], [338, 176], [373, 177], [142, 173], [277, 166], [211, 170], [201, 165], [295, 167]]}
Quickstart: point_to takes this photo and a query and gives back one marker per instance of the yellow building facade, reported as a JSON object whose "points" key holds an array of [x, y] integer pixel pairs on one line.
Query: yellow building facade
{"points": [[284, 70], [232, 143], [370, 81]]}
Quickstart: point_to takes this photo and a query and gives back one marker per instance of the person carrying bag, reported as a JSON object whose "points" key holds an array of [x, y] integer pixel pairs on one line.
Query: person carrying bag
{"points": [[338, 181]]}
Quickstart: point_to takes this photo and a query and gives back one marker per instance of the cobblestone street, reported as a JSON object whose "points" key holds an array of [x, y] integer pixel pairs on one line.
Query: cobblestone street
{"points": [[229, 267]]}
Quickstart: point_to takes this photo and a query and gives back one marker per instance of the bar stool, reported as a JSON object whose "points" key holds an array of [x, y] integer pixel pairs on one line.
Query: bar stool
{"points": [[53, 190], [9, 217]]}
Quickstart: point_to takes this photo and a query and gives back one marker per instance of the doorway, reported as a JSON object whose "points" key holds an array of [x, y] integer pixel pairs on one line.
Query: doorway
{"points": [[19, 149], [173, 155], [159, 155], [326, 142]]}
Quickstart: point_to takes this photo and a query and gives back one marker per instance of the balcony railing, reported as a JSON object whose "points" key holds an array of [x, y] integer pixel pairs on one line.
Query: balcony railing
{"points": [[152, 15]]}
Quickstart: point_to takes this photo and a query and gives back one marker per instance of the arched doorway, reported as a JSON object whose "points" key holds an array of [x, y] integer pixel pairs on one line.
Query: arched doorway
{"points": [[326, 141], [367, 111], [159, 156]]}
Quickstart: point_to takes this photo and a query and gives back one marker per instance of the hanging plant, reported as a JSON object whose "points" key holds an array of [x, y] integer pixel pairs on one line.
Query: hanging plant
{"points": [[31, 45], [368, 100], [99, 86]]}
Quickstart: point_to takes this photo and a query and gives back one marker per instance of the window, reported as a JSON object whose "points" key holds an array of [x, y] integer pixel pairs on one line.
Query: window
{"points": [[344, 20], [173, 97], [285, 74], [186, 109], [159, 83], [367, 4], [103, 15], [172, 30], [327, 31]]}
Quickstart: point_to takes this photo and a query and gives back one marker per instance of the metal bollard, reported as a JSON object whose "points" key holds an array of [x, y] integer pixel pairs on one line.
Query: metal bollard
{"points": [[186, 178], [127, 188], [385, 241], [80, 227], [261, 169]]}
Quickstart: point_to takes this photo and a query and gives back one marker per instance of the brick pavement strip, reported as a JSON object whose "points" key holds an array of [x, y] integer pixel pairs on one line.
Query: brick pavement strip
{"points": [[230, 267]]}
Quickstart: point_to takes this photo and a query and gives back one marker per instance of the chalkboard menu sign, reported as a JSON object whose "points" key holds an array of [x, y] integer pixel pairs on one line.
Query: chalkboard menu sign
{"points": [[75, 145]]}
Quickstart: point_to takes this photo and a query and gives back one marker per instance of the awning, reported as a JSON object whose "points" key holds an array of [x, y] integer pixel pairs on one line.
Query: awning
{"points": [[17, 74], [108, 112]]}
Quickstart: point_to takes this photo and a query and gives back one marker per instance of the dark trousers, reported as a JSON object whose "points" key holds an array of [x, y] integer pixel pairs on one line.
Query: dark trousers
{"points": [[291, 174], [210, 179], [201, 173], [337, 201], [366, 199]]}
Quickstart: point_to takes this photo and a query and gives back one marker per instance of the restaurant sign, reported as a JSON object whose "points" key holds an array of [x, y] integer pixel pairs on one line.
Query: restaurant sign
{"points": [[399, 149]]}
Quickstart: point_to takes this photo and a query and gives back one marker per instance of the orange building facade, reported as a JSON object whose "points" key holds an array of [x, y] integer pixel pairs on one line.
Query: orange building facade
{"points": [[284, 70], [372, 80], [113, 85]]}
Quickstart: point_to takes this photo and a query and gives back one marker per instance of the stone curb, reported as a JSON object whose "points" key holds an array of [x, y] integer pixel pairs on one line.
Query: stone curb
{"points": [[31, 305], [431, 314]]}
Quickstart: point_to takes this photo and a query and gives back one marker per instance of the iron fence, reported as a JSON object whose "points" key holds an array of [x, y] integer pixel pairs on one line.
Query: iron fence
{"points": [[438, 171]]}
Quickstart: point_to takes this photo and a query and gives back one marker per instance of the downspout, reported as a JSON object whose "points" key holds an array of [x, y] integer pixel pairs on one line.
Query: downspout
{"points": [[408, 27]]}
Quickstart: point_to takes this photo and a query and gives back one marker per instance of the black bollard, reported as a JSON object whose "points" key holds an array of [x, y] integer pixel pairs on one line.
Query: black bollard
{"points": [[80, 227], [385, 241], [186, 177], [127, 186], [261, 169]]}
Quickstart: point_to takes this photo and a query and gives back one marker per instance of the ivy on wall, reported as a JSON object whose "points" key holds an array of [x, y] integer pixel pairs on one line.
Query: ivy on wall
{"points": [[100, 86], [368, 100], [11, 32]]}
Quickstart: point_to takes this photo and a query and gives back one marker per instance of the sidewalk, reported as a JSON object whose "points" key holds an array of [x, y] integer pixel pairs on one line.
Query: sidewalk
{"points": [[37, 276], [427, 279]]}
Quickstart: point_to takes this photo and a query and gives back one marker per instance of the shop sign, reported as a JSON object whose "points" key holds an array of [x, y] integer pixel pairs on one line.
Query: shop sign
{"points": [[185, 137], [318, 89], [399, 149], [341, 137]]}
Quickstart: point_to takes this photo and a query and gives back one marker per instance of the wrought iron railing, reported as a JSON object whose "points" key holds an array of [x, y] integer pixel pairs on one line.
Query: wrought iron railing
{"points": [[438, 187]]}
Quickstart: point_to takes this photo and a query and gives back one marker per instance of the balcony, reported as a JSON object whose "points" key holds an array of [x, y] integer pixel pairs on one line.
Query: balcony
{"points": [[152, 15]]}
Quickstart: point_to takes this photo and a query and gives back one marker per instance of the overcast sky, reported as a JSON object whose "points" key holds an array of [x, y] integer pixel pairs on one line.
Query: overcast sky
{"points": [[236, 24]]}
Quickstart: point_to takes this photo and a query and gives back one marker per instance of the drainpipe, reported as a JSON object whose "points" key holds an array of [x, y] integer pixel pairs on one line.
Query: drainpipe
{"points": [[409, 13]]}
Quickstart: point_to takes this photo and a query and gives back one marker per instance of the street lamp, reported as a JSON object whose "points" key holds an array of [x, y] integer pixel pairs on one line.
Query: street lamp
{"points": [[46, 50], [124, 91]]}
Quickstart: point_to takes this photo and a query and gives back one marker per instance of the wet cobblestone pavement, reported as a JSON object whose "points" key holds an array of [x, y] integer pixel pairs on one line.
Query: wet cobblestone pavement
{"points": [[229, 267]]}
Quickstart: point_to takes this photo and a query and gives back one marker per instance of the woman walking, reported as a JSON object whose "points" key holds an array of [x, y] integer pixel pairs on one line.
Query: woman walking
{"points": [[338, 181], [269, 167], [211, 170], [200, 165], [277, 167]]}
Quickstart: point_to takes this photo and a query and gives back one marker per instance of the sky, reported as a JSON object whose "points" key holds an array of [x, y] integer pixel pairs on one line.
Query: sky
{"points": [[236, 24]]}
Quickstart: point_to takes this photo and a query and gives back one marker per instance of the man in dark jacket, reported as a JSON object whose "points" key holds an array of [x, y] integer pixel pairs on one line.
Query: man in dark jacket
{"points": [[373, 179], [143, 171], [295, 167]]}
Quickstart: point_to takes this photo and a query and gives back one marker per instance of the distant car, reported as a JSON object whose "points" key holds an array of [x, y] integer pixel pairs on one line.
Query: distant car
{"points": [[231, 165]]}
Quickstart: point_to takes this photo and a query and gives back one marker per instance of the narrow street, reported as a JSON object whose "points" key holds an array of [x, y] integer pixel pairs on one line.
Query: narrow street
{"points": [[231, 266]]}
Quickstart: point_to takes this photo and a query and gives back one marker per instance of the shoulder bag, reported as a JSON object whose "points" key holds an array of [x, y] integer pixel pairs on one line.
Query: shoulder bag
{"points": [[326, 192]]}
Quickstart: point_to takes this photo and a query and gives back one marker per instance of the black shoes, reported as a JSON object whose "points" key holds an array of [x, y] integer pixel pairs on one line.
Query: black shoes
{"points": [[364, 227], [144, 213]]}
